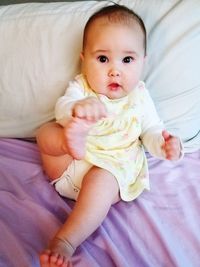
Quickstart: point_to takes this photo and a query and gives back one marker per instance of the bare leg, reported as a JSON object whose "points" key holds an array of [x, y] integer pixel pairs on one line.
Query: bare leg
{"points": [[52, 144], [58, 145], [99, 191]]}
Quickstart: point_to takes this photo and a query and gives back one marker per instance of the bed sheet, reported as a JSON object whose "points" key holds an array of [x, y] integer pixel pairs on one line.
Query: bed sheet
{"points": [[159, 229]]}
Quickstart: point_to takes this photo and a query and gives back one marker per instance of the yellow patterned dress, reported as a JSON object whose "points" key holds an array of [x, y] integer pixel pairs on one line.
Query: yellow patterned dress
{"points": [[114, 142]]}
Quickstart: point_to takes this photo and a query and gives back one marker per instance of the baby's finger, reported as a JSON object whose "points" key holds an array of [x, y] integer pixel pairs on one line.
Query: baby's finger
{"points": [[102, 111], [78, 111], [172, 155], [98, 111], [172, 150], [166, 135]]}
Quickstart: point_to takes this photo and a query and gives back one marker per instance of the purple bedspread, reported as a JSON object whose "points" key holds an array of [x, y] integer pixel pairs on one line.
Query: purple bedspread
{"points": [[159, 229]]}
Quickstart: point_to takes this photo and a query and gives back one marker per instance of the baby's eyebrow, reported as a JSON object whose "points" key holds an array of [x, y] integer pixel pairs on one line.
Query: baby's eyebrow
{"points": [[107, 51], [131, 52], [98, 51]]}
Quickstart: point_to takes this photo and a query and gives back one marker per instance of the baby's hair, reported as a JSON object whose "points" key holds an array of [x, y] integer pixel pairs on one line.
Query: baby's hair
{"points": [[116, 13]]}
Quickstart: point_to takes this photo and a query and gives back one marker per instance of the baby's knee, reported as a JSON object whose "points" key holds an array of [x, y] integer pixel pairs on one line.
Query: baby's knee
{"points": [[105, 181]]}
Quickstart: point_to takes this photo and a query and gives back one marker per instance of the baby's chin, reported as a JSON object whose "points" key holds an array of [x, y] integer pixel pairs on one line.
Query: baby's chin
{"points": [[117, 94]]}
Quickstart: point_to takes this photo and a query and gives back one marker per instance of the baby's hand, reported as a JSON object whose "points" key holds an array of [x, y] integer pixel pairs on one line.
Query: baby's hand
{"points": [[171, 146], [91, 109]]}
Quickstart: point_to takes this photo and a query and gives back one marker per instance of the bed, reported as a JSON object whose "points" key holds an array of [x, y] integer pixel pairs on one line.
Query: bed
{"points": [[39, 53]]}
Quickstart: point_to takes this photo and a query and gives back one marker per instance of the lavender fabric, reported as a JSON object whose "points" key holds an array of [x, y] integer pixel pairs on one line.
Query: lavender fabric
{"points": [[159, 229]]}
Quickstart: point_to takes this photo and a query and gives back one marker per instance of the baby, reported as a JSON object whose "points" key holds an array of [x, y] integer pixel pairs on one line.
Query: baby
{"points": [[94, 153]]}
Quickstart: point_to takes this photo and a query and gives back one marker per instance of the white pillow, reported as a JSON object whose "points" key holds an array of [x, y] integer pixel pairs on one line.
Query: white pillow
{"points": [[39, 54]]}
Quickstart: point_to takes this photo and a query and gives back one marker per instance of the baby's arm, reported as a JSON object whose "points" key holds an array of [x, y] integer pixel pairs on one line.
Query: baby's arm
{"points": [[74, 103], [161, 144], [155, 138]]}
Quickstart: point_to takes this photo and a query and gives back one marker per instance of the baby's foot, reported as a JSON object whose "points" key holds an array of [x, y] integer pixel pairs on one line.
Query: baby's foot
{"points": [[57, 255], [76, 132], [50, 259]]}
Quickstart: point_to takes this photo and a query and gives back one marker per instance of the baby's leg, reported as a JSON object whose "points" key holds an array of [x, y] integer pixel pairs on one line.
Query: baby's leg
{"points": [[51, 142], [76, 132], [99, 191]]}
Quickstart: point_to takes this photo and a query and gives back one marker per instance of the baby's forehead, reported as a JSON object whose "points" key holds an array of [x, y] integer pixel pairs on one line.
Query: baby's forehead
{"points": [[105, 22], [99, 24], [114, 19]]}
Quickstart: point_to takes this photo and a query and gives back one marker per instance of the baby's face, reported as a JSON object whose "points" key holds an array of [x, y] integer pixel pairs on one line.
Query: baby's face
{"points": [[113, 58]]}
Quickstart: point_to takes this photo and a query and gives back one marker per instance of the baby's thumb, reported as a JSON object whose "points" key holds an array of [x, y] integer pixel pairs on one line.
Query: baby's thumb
{"points": [[166, 135]]}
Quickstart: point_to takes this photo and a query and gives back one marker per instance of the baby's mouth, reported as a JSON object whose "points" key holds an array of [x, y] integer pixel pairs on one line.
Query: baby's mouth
{"points": [[114, 86]]}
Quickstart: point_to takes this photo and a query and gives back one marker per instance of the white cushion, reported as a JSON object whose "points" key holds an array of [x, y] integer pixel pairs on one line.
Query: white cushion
{"points": [[39, 54]]}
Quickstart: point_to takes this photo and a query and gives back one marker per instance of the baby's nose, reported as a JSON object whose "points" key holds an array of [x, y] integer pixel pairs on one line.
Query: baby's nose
{"points": [[114, 73]]}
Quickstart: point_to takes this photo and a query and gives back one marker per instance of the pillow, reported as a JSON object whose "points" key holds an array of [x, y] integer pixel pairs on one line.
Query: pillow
{"points": [[39, 54], [40, 50]]}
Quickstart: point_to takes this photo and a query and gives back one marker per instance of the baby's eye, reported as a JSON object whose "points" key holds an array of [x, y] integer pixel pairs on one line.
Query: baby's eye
{"points": [[128, 59], [103, 59]]}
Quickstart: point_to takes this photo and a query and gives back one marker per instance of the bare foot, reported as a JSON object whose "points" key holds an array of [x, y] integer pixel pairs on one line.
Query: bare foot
{"points": [[49, 259], [58, 254], [76, 132]]}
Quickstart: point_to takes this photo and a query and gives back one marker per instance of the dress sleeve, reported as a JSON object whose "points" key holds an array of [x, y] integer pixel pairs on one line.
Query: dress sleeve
{"points": [[64, 104], [152, 127]]}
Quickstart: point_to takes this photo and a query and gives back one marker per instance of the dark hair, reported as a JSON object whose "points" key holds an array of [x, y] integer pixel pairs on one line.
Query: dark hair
{"points": [[116, 13]]}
